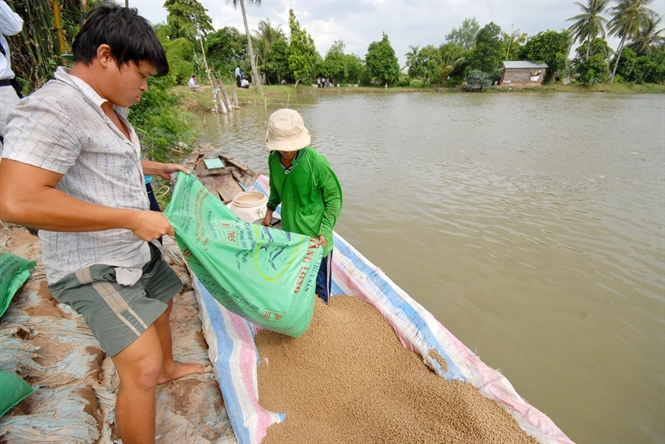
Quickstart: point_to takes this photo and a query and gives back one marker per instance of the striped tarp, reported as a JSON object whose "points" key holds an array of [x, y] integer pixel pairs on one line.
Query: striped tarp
{"points": [[235, 357]]}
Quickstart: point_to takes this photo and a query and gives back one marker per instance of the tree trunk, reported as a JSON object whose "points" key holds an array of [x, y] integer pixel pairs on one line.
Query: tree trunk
{"points": [[623, 39], [588, 47], [255, 73]]}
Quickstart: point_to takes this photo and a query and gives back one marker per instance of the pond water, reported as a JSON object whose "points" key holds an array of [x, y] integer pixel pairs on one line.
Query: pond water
{"points": [[529, 224]]}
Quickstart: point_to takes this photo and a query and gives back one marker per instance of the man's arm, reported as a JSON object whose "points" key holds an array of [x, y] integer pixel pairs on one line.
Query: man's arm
{"points": [[28, 196], [331, 191]]}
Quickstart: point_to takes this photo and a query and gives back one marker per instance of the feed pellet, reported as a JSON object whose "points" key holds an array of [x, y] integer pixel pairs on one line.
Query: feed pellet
{"points": [[348, 379]]}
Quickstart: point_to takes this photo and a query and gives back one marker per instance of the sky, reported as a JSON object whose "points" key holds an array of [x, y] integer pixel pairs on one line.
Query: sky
{"points": [[406, 22]]}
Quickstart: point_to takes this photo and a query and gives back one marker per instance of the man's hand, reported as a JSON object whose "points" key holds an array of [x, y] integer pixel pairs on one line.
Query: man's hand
{"points": [[321, 242], [267, 219], [163, 170], [149, 225]]}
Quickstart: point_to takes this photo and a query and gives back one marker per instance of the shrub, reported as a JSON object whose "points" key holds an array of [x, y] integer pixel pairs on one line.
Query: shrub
{"points": [[161, 123]]}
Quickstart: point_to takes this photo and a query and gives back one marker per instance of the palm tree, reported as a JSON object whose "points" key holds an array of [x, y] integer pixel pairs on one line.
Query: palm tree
{"points": [[628, 17], [264, 39], [590, 23], [250, 50], [648, 37], [451, 57], [413, 62]]}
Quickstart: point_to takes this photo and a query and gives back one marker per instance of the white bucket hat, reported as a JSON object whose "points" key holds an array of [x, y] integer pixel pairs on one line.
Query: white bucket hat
{"points": [[286, 131]]}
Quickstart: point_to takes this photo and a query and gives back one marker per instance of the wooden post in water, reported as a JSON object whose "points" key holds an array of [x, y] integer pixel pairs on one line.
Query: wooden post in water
{"points": [[219, 101], [235, 95], [225, 95]]}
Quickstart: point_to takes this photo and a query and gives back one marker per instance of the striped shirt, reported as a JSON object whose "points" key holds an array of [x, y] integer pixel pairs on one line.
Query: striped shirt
{"points": [[62, 128]]}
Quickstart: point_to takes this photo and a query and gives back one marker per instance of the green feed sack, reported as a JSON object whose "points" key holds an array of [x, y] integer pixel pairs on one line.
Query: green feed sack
{"points": [[264, 275], [14, 271], [13, 389]]}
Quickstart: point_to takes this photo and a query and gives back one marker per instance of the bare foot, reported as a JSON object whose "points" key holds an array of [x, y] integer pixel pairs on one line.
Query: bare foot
{"points": [[179, 370]]}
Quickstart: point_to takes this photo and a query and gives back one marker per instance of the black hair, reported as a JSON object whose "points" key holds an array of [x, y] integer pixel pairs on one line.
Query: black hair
{"points": [[130, 36]]}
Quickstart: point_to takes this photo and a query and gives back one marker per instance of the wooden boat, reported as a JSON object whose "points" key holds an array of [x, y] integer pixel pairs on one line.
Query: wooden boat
{"points": [[234, 355]]}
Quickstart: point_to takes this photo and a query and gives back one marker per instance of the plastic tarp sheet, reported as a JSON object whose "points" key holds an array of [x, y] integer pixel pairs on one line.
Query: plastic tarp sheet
{"points": [[235, 357]]}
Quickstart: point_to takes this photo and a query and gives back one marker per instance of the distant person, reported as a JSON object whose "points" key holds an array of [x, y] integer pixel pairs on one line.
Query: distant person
{"points": [[283, 82], [238, 76], [193, 83], [302, 181], [10, 92], [244, 83], [71, 168]]}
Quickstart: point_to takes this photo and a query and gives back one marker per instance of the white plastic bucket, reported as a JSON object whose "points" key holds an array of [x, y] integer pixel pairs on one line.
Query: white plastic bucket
{"points": [[249, 206]]}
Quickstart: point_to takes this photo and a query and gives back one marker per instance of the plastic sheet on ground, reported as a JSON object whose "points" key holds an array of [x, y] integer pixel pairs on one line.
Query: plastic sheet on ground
{"points": [[50, 346], [235, 357]]}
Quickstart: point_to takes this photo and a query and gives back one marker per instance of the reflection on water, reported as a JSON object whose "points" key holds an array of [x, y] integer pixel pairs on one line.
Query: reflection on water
{"points": [[530, 225]]}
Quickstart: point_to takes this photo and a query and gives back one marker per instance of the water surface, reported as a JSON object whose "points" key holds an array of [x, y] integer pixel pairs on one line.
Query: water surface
{"points": [[529, 224]]}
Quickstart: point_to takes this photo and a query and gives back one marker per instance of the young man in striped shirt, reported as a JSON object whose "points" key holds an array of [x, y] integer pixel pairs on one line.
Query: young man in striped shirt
{"points": [[72, 169]]}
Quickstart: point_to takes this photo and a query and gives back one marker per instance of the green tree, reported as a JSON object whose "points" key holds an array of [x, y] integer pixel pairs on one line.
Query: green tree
{"points": [[302, 51], [180, 54], [277, 61], [452, 58], [432, 63], [334, 66], [597, 47], [628, 16], [646, 70], [355, 68], [648, 38], [226, 48], [549, 47], [465, 35], [593, 69], [626, 67], [381, 62], [414, 66], [250, 51], [477, 79], [486, 56], [187, 19], [513, 42], [264, 38], [590, 23]]}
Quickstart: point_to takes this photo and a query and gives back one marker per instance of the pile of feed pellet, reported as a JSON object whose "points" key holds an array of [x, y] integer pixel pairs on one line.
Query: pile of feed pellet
{"points": [[348, 379]]}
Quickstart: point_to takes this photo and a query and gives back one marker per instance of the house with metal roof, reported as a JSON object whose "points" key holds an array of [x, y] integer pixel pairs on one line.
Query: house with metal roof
{"points": [[522, 73]]}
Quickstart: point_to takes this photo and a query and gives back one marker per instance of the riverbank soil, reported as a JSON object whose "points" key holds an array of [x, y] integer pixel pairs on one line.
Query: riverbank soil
{"points": [[50, 346], [348, 379]]}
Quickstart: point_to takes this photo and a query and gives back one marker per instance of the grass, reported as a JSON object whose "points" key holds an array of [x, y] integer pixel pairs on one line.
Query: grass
{"points": [[202, 99]]}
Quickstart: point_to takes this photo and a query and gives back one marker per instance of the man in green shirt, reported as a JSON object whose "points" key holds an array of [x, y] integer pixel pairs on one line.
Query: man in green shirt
{"points": [[303, 182]]}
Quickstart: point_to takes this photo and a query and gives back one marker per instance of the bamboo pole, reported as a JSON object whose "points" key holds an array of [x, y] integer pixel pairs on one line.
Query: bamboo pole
{"points": [[58, 29], [205, 61], [84, 12]]}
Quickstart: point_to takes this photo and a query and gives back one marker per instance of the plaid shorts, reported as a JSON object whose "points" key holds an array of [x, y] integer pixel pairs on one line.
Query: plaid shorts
{"points": [[116, 314]]}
